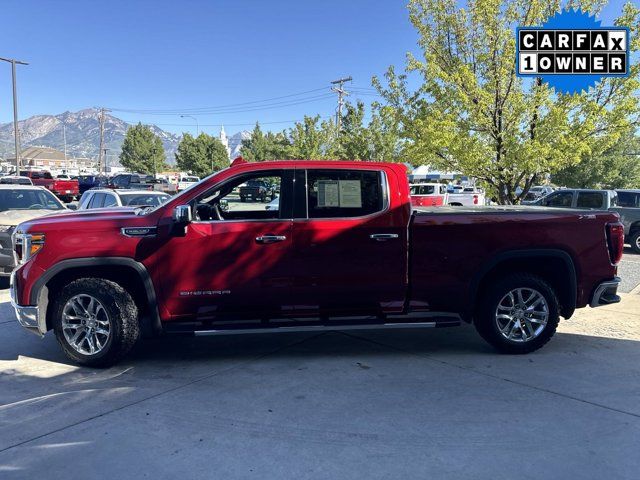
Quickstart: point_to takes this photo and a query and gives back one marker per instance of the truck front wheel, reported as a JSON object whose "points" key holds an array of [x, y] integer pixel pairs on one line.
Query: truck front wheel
{"points": [[95, 321], [518, 313]]}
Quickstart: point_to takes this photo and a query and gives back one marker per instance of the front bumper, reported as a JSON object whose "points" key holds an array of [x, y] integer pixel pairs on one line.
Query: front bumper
{"points": [[606, 293], [28, 316]]}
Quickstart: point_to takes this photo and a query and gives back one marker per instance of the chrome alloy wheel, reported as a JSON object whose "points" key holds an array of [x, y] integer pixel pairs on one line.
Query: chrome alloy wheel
{"points": [[85, 324], [522, 315]]}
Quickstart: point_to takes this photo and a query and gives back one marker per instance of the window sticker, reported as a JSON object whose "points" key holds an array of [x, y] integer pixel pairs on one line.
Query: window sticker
{"points": [[350, 193], [328, 194]]}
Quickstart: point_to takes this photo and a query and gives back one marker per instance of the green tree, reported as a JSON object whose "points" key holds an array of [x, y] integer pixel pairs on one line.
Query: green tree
{"points": [[265, 146], [311, 139], [616, 167], [142, 151], [474, 115], [201, 155]]}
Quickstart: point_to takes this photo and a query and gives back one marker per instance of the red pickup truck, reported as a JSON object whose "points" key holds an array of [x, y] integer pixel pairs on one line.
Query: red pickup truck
{"points": [[66, 190], [343, 250]]}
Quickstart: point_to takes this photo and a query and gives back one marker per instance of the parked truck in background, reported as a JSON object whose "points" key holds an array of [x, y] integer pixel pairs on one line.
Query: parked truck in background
{"points": [[626, 203], [343, 250], [66, 190]]}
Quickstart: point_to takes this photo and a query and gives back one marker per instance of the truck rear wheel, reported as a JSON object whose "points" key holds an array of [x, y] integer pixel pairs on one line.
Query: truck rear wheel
{"points": [[95, 321], [518, 314]]}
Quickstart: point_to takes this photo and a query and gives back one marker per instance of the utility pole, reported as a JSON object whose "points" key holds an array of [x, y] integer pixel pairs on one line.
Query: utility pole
{"points": [[103, 111], [13, 63], [64, 139], [106, 160], [338, 87]]}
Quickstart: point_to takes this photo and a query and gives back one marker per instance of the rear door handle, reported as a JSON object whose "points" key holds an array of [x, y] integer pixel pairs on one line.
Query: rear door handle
{"points": [[270, 238], [381, 237]]}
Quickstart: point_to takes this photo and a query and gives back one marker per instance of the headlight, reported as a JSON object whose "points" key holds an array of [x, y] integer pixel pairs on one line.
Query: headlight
{"points": [[26, 245]]}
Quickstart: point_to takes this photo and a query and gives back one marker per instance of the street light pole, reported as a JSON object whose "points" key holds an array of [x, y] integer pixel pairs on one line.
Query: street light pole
{"points": [[197, 125], [13, 63]]}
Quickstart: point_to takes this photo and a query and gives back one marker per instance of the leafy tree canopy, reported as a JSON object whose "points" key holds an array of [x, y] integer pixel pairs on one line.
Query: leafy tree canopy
{"points": [[472, 114], [142, 151], [201, 155]]}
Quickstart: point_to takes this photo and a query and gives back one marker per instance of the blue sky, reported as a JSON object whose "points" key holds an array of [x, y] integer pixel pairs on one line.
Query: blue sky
{"points": [[170, 55]]}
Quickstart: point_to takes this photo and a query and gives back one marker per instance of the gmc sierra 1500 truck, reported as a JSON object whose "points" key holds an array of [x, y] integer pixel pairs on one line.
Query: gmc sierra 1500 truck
{"points": [[343, 250]]}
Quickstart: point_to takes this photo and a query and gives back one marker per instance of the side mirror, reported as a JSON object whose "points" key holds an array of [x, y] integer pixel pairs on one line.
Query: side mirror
{"points": [[182, 214]]}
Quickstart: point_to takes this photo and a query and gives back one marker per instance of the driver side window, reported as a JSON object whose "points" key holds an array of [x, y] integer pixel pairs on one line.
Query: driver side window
{"points": [[253, 196]]}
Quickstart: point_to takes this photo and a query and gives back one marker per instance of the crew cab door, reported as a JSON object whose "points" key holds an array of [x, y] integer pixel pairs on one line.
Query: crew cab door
{"points": [[233, 261], [349, 243]]}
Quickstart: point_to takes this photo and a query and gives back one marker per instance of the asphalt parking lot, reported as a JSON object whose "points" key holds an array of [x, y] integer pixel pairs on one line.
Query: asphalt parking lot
{"points": [[406, 404]]}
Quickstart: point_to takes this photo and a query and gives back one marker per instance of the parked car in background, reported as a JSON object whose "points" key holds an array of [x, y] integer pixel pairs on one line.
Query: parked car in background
{"points": [[164, 185], [467, 197], [273, 204], [579, 198], [186, 182], [345, 250], [87, 182], [428, 194], [15, 180], [257, 190], [603, 200], [104, 197], [19, 203], [629, 210], [66, 190], [536, 193], [133, 181]]}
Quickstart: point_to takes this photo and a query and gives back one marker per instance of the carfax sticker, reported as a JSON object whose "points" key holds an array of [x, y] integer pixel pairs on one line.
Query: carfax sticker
{"points": [[572, 51]]}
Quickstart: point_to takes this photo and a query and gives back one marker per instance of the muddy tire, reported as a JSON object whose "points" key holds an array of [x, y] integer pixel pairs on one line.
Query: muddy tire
{"points": [[95, 321]]}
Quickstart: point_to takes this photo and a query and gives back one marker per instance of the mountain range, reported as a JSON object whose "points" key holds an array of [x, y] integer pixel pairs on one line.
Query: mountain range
{"points": [[82, 131]]}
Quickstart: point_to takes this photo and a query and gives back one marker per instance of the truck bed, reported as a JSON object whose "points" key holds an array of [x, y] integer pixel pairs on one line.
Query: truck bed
{"points": [[451, 245]]}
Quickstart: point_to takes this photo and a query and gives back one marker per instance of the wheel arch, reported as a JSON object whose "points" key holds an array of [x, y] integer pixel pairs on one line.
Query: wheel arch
{"points": [[130, 274], [553, 265]]}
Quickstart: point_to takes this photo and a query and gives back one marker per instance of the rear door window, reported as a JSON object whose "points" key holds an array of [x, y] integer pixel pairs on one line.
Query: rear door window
{"points": [[590, 200], [344, 193], [559, 199]]}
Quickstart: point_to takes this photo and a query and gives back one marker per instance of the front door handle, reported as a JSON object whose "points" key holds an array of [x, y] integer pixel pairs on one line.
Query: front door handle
{"points": [[381, 237], [270, 238]]}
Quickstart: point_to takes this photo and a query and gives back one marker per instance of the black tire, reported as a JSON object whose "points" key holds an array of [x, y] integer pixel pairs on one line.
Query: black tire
{"points": [[487, 325], [121, 310], [242, 199], [634, 240]]}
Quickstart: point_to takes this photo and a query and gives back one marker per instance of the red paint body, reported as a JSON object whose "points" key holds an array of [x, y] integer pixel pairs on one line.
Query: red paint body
{"points": [[325, 266]]}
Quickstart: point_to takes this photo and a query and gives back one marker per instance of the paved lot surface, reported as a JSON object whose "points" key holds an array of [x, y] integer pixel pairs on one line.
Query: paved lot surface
{"points": [[629, 270], [406, 404]]}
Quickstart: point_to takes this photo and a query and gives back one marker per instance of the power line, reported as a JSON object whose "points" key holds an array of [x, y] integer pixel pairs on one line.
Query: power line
{"points": [[217, 107]]}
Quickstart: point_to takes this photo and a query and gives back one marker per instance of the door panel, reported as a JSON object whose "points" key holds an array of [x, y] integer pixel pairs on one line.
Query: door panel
{"points": [[220, 269], [345, 265]]}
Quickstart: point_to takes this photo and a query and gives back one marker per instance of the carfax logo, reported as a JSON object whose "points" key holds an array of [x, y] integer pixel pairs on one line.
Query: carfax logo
{"points": [[571, 51]]}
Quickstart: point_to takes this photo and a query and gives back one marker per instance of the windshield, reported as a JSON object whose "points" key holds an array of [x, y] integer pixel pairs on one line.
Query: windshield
{"points": [[146, 199], [25, 199]]}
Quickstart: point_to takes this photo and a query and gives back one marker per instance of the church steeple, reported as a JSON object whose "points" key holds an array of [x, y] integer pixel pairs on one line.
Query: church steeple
{"points": [[224, 140]]}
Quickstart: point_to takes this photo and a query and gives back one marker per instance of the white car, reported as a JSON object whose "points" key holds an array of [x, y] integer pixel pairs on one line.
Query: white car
{"points": [[105, 197], [186, 182], [273, 204], [21, 203]]}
